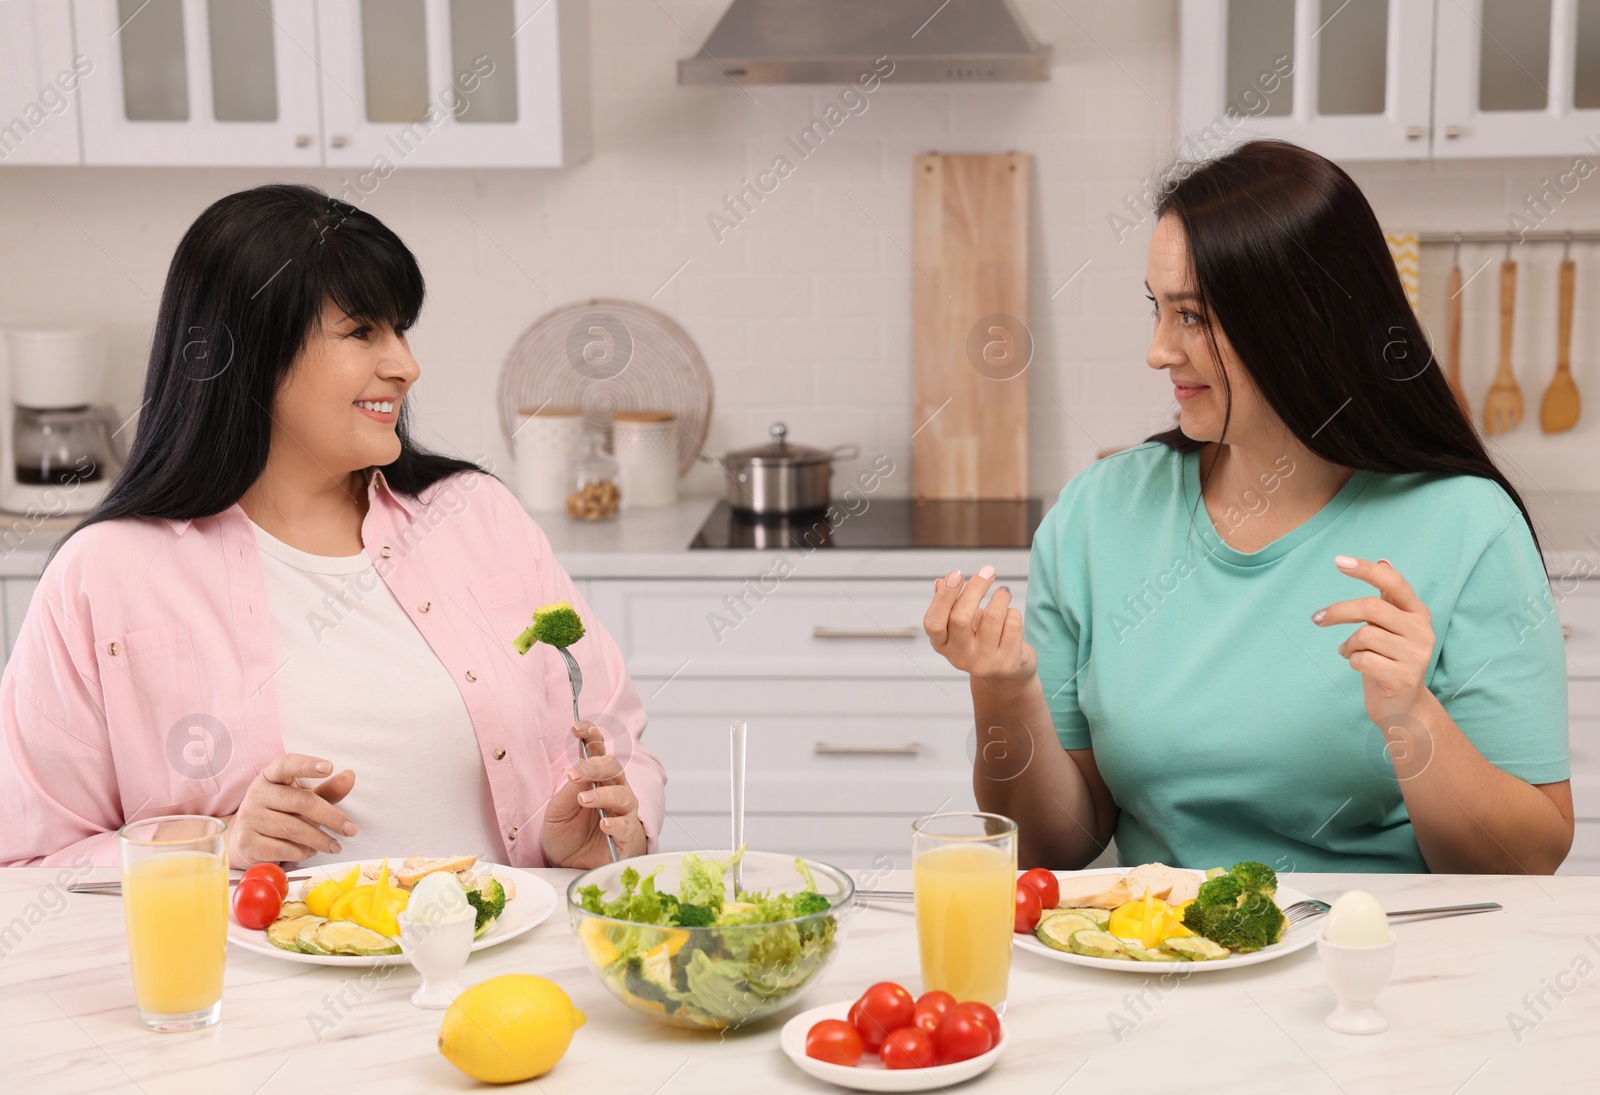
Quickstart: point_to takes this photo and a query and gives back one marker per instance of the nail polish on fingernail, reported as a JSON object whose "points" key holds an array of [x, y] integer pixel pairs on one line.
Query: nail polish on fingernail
{"points": [[349, 829], [586, 799], [1387, 563], [1344, 562], [334, 848], [953, 579], [1319, 615], [986, 573], [324, 769], [574, 775]]}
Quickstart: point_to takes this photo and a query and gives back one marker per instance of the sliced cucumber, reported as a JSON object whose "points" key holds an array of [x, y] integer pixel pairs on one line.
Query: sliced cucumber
{"points": [[294, 908], [1146, 954], [1056, 932], [281, 932], [1197, 948], [1092, 943], [1099, 917], [343, 937], [306, 937]]}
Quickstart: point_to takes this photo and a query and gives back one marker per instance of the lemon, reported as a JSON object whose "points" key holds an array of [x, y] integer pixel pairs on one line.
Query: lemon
{"points": [[508, 1028]]}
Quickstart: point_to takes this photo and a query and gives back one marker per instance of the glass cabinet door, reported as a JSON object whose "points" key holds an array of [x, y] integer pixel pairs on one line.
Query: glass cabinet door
{"points": [[40, 80], [1522, 78], [199, 82], [445, 82], [1348, 78]]}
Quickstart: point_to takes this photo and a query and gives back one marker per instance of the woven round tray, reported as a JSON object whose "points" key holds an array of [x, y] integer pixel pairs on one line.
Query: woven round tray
{"points": [[607, 356]]}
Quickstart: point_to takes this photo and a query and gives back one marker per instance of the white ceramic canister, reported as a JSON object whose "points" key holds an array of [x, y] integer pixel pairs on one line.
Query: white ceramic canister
{"points": [[547, 438], [645, 444]]}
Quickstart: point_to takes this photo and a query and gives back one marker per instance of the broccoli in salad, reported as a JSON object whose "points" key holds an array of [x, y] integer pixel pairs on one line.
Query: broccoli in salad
{"points": [[556, 624], [709, 978]]}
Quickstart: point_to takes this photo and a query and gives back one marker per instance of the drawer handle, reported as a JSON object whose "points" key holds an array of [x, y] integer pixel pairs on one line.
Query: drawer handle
{"points": [[1566, 631], [910, 749], [865, 633]]}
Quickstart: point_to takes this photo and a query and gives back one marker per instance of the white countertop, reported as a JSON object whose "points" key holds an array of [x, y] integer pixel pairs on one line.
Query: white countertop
{"points": [[654, 543], [67, 1022]]}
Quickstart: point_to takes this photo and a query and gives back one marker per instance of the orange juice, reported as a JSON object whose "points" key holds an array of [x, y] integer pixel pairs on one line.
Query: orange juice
{"points": [[177, 911], [966, 901]]}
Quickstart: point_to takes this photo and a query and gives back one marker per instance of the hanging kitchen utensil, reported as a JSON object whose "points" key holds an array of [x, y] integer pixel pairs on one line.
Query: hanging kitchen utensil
{"points": [[1502, 410], [1559, 409], [1453, 332]]}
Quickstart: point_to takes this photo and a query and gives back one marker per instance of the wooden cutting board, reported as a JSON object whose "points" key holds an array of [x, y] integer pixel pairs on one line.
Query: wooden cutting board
{"points": [[970, 342]]}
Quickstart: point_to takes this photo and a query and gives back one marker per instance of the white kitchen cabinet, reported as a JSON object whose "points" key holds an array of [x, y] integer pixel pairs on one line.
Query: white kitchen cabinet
{"points": [[40, 80], [1393, 79], [1585, 855], [371, 84], [451, 83], [1349, 78], [202, 83]]}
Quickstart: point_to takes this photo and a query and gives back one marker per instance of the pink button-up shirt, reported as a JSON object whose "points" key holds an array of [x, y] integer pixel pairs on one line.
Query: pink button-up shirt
{"points": [[141, 683]]}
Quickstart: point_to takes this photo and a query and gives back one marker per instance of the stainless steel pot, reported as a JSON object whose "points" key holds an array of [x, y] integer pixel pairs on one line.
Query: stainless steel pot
{"points": [[781, 478]]}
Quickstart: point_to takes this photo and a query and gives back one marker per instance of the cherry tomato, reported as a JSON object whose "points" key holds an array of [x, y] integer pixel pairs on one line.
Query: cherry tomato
{"points": [[908, 1047], [882, 1009], [1028, 907], [931, 1007], [834, 1041], [985, 1013], [960, 1035], [273, 874], [1046, 883], [256, 903], [854, 1020]]}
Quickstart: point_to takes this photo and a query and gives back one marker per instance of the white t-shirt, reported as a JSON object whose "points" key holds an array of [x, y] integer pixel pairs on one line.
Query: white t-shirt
{"points": [[359, 686]]}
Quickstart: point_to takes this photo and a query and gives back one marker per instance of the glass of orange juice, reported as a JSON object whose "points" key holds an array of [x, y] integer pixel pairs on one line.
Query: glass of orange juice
{"points": [[964, 877], [175, 898]]}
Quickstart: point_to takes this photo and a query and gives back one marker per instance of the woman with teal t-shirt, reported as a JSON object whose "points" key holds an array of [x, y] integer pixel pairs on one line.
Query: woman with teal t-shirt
{"points": [[1311, 625]]}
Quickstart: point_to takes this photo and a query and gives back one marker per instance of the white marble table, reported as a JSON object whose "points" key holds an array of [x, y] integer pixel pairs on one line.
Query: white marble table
{"points": [[67, 1022]]}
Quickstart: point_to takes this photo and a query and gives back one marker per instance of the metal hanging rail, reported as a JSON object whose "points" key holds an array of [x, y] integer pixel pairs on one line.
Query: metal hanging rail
{"points": [[1508, 237]]}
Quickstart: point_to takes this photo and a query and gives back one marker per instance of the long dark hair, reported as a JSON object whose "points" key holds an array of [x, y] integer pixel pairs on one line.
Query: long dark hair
{"points": [[245, 290], [1287, 257]]}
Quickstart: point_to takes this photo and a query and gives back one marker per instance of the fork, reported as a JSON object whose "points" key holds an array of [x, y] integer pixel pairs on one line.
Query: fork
{"points": [[575, 675], [1502, 409], [1305, 910]]}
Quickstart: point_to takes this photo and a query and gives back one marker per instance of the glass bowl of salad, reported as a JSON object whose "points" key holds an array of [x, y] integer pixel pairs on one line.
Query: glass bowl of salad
{"points": [[669, 939]]}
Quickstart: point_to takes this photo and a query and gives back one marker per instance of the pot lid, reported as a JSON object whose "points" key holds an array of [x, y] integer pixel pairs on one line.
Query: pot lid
{"points": [[779, 451]]}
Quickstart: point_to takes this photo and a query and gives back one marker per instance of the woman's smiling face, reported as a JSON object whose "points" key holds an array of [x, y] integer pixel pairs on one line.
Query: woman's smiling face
{"points": [[343, 364], [1181, 346]]}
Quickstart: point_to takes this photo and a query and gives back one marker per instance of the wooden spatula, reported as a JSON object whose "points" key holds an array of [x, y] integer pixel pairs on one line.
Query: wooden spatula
{"points": [[1559, 409], [1502, 410], [1453, 335]]}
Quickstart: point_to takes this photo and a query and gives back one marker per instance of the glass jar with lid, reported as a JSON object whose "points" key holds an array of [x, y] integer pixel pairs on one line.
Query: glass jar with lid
{"points": [[592, 490]]}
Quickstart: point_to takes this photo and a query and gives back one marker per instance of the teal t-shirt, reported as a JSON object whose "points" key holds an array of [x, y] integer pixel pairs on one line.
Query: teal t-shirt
{"points": [[1223, 720]]}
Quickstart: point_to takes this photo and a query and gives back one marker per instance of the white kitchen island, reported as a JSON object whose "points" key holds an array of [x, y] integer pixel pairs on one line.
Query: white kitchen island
{"points": [[1501, 1002]]}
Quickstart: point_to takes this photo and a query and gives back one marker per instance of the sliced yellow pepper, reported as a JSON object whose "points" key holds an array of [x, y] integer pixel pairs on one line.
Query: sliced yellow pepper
{"points": [[321, 898], [378, 906], [1149, 921]]}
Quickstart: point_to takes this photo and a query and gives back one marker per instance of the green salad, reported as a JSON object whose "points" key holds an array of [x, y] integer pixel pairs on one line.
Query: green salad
{"points": [[757, 950]]}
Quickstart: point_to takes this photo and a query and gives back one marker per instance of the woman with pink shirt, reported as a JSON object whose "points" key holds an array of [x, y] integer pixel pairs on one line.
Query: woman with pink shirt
{"points": [[287, 613]]}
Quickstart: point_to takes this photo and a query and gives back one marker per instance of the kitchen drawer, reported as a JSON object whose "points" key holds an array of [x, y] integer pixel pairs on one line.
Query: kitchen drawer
{"points": [[1583, 742], [847, 747], [789, 628], [1578, 606], [1585, 855], [852, 841]]}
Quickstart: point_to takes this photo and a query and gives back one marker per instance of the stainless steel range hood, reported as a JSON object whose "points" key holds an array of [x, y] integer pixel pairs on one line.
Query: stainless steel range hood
{"points": [[839, 41]]}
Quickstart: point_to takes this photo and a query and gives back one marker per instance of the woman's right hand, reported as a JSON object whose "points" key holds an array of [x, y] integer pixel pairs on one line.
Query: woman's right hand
{"points": [[984, 641], [280, 821]]}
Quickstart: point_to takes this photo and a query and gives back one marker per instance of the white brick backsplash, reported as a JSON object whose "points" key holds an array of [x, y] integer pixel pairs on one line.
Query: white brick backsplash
{"points": [[804, 312]]}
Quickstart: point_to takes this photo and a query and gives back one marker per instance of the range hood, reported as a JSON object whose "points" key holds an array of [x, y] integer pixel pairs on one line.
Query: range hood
{"points": [[839, 41]]}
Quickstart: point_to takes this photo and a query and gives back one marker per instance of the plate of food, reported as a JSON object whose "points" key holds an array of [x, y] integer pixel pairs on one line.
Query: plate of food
{"points": [[345, 913], [1120, 919]]}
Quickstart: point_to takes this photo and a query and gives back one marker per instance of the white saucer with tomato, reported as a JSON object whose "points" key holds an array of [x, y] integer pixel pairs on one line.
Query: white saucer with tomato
{"points": [[888, 1041]]}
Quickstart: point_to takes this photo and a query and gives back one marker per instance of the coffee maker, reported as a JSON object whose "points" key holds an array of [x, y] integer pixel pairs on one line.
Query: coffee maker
{"points": [[58, 453]]}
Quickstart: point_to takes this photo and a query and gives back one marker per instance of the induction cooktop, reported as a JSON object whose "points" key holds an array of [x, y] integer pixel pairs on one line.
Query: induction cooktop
{"points": [[876, 524]]}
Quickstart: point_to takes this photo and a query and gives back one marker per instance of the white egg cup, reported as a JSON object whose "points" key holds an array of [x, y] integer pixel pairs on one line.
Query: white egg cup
{"points": [[1356, 975], [438, 948]]}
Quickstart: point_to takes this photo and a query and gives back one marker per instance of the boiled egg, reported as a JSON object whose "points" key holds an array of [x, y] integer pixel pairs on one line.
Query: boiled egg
{"points": [[1357, 920], [436, 898]]}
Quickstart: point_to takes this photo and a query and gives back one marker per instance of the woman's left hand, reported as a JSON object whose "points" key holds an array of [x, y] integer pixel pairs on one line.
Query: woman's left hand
{"points": [[574, 832], [1392, 650]]}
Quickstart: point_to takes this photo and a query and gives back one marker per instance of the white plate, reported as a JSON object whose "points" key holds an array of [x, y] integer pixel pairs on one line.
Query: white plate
{"points": [[535, 901], [870, 1075], [1296, 937]]}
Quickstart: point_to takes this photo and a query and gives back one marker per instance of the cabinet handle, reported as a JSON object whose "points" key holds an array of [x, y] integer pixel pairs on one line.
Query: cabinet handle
{"points": [[1413, 133], [1566, 631], [302, 140], [864, 633], [909, 749], [339, 142], [1452, 131]]}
